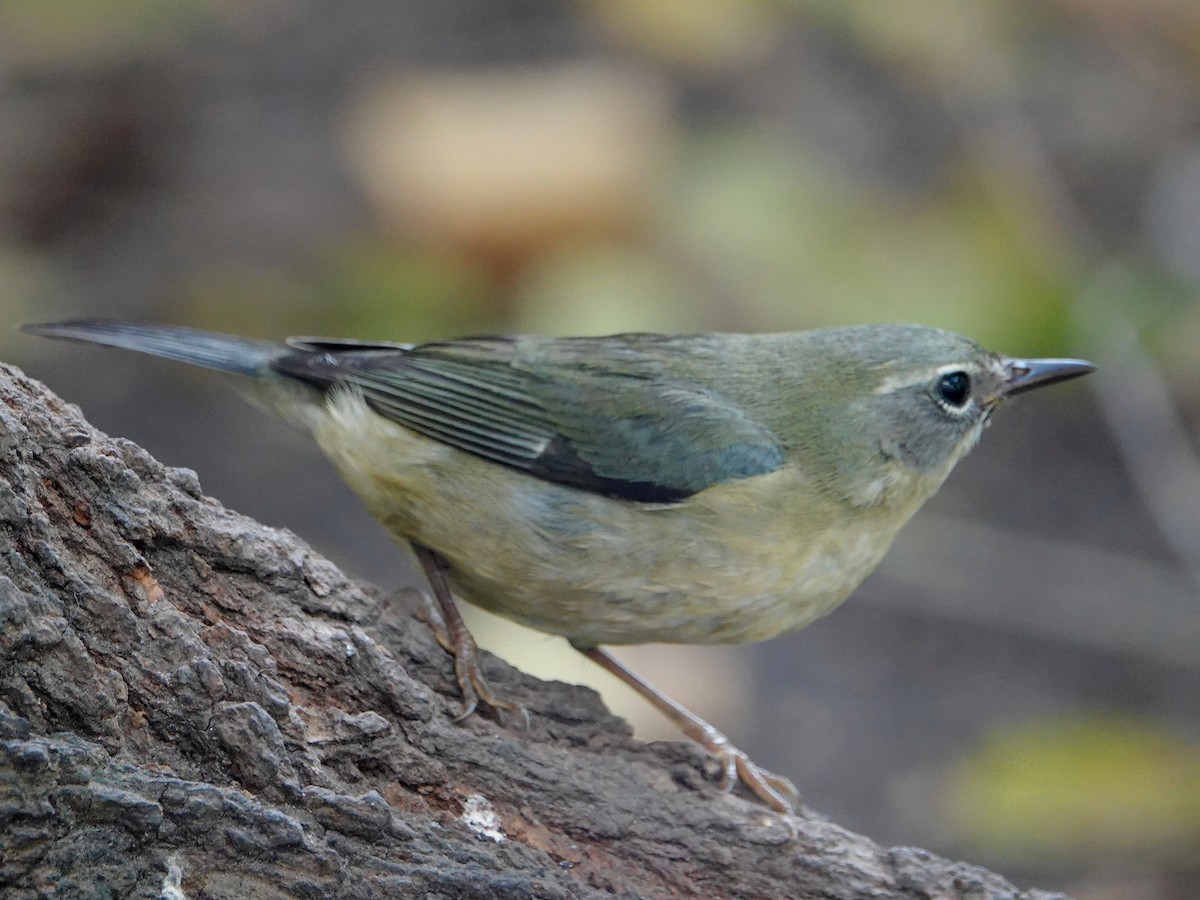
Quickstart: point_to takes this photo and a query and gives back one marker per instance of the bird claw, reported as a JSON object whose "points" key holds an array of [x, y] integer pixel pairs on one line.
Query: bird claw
{"points": [[474, 686], [776, 791], [468, 671], [429, 615]]}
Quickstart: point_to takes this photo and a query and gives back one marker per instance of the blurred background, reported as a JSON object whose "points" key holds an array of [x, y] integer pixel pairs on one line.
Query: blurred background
{"points": [[1019, 683]]}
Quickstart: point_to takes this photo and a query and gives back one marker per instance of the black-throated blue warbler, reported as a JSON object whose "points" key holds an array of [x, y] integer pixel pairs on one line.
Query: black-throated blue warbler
{"points": [[708, 488]]}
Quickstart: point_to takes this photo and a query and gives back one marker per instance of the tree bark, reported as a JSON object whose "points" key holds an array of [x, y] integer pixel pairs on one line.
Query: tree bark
{"points": [[194, 704]]}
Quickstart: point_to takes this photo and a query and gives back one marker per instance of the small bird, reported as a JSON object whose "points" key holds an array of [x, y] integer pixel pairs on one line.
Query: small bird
{"points": [[696, 489]]}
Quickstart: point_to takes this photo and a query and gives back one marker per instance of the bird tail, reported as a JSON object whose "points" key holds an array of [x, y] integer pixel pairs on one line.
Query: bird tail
{"points": [[222, 352]]}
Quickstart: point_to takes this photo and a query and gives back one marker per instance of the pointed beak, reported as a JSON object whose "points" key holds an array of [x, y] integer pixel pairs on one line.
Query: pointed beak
{"points": [[1026, 374]]}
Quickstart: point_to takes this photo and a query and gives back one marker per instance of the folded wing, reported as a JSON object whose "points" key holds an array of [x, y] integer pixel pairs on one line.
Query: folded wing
{"points": [[611, 424]]}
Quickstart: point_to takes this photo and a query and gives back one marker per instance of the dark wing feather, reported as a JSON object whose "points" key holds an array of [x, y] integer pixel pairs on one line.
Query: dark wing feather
{"points": [[622, 433]]}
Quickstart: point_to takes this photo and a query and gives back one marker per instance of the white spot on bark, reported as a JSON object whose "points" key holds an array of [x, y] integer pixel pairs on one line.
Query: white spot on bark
{"points": [[479, 816], [171, 884]]}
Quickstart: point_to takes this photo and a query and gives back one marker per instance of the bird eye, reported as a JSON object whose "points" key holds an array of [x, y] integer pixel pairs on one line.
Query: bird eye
{"points": [[954, 389]]}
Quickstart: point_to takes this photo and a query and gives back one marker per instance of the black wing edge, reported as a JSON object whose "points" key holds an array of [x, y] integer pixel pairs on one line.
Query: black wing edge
{"points": [[316, 364], [560, 464]]}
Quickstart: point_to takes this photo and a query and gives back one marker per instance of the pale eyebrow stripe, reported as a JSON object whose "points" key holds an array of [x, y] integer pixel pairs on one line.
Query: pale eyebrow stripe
{"points": [[894, 383]]}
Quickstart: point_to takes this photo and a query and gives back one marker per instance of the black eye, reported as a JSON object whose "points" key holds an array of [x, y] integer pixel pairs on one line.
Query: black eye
{"points": [[955, 389]]}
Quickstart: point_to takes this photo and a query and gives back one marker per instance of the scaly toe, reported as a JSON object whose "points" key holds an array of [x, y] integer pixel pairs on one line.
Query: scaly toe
{"points": [[776, 791], [502, 708], [428, 614]]}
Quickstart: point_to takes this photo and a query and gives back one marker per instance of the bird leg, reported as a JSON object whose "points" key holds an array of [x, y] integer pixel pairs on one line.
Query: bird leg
{"points": [[456, 639], [774, 790]]}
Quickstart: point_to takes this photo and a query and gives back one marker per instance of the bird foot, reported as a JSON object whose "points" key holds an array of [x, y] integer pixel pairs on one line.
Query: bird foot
{"points": [[468, 670], [776, 791], [429, 616]]}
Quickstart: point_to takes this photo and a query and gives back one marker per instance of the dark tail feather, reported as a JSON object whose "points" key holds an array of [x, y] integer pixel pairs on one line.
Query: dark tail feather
{"points": [[222, 352]]}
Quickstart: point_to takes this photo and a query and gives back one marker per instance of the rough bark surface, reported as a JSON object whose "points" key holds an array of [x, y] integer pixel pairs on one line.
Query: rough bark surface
{"points": [[193, 704]]}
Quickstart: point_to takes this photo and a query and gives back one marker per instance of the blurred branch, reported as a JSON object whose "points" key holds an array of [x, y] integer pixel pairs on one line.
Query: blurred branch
{"points": [[946, 561], [1149, 433], [1132, 394]]}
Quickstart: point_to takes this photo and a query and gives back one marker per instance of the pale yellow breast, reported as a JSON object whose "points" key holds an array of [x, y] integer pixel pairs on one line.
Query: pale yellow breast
{"points": [[741, 561]]}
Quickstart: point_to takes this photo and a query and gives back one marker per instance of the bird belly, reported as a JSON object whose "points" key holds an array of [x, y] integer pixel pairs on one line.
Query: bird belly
{"points": [[732, 564]]}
